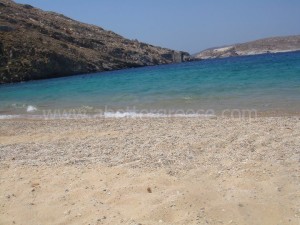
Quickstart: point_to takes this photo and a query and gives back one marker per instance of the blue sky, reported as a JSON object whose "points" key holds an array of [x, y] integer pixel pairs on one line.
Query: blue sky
{"points": [[190, 25]]}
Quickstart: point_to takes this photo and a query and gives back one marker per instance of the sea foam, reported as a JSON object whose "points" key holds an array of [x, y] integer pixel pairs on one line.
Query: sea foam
{"points": [[151, 115], [31, 108]]}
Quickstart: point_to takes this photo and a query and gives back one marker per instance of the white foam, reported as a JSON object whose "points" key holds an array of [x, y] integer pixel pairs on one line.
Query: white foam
{"points": [[107, 115], [31, 108], [151, 115], [5, 117]]}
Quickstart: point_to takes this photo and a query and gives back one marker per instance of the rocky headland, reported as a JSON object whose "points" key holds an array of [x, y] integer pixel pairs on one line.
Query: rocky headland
{"points": [[262, 46], [35, 44]]}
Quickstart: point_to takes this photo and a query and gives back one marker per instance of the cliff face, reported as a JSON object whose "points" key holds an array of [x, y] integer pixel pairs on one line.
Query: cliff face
{"points": [[35, 44], [267, 45]]}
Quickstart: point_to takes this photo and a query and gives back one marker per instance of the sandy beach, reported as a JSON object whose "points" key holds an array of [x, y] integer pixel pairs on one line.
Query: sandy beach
{"points": [[150, 171]]}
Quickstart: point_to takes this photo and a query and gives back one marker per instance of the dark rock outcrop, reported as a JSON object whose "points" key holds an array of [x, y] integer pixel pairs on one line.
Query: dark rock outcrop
{"points": [[262, 46], [35, 44]]}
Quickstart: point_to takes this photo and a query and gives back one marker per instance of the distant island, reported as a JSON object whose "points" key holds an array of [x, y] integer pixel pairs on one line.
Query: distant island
{"points": [[261, 46], [35, 44]]}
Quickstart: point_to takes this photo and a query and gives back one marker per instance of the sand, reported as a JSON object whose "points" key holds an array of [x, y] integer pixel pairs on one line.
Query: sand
{"points": [[150, 171]]}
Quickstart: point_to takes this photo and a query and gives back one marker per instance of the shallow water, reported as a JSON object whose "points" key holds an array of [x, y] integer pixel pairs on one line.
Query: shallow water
{"points": [[265, 83]]}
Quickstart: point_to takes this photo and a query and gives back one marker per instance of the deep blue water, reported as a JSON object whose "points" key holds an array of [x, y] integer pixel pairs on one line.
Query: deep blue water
{"points": [[264, 82]]}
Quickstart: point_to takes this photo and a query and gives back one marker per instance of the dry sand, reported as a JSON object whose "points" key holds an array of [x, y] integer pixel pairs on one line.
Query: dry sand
{"points": [[150, 171]]}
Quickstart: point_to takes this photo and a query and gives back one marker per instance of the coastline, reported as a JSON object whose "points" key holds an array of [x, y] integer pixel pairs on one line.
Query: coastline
{"points": [[198, 170], [109, 113]]}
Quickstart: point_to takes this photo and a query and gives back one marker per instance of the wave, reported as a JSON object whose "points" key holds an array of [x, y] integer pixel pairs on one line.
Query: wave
{"points": [[149, 115], [28, 108], [3, 117], [107, 115], [31, 108]]}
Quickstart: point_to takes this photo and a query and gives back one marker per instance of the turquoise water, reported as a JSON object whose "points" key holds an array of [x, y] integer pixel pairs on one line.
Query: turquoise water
{"points": [[266, 83]]}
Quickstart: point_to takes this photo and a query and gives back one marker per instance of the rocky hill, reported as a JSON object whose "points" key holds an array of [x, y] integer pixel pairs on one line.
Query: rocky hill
{"points": [[35, 44], [267, 45]]}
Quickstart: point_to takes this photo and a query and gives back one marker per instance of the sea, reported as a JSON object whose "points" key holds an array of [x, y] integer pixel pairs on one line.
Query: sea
{"points": [[267, 84]]}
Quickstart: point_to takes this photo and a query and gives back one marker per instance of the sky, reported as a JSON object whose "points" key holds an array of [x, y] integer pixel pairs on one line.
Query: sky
{"points": [[188, 25]]}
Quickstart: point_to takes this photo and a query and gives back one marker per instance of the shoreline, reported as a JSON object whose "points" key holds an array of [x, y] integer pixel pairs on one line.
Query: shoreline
{"points": [[232, 114]]}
